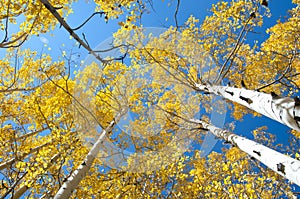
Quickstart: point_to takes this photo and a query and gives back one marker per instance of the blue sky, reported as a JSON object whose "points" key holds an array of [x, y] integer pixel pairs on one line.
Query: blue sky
{"points": [[200, 9], [97, 31]]}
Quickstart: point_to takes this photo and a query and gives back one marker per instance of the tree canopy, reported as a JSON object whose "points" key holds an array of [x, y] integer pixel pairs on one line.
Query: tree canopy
{"points": [[132, 121]]}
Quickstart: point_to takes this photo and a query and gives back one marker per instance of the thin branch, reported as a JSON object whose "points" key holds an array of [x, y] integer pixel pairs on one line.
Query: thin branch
{"points": [[84, 38], [24, 36], [173, 75], [176, 12], [17, 90], [100, 13], [81, 105], [6, 24], [13, 160], [218, 79], [288, 68], [54, 12], [112, 48], [29, 134], [13, 186], [5, 45]]}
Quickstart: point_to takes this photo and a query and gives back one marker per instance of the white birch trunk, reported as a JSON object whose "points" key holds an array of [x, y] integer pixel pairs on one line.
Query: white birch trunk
{"points": [[282, 109], [278, 162], [72, 182], [13, 160]]}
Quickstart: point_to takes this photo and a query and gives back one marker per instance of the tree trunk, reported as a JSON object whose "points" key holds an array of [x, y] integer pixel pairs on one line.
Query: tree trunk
{"points": [[29, 134], [13, 160], [282, 109], [278, 162], [19, 192], [72, 182]]}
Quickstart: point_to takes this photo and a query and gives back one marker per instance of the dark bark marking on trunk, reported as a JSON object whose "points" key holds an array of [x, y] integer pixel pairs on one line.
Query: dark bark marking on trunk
{"points": [[257, 152], [248, 100], [229, 92], [297, 101], [281, 168]]}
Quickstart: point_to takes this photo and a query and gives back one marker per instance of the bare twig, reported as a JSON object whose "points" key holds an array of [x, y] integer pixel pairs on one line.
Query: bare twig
{"points": [[100, 13], [176, 12], [6, 24], [288, 68], [236, 47]]}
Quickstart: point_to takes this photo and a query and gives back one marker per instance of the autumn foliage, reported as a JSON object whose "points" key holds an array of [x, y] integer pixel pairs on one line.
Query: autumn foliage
{"points": [[52, 114]]}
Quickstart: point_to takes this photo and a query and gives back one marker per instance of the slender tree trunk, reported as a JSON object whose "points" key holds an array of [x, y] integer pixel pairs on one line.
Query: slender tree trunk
{"points": [[282, 109], [19, 192], [13, 186], [13, 160], [72, 182], [29, 134], [278, 162]]}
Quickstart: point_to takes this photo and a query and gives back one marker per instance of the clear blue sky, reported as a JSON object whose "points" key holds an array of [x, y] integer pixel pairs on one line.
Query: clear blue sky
{"points": [[200, 9], [97, 31]]}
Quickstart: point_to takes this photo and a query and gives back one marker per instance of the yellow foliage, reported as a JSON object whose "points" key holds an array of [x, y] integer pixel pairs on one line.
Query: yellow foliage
{"points": [[42, 107], [296, 133]]}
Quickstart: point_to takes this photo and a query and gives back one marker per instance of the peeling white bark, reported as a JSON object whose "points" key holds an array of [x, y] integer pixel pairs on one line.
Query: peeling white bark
{"points": [[72, 182], [278, 162], [282, 109]]}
